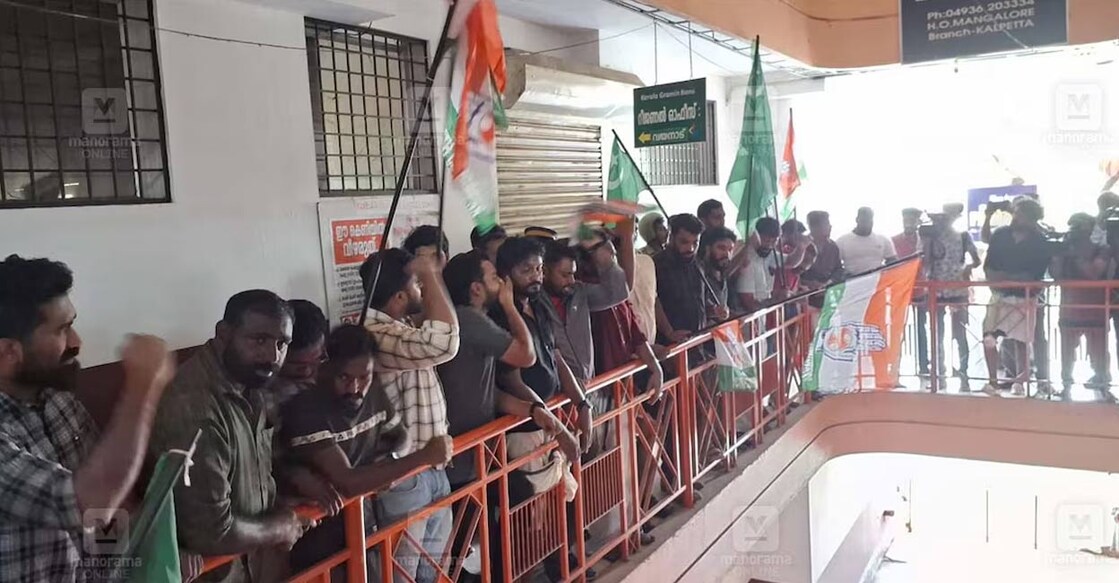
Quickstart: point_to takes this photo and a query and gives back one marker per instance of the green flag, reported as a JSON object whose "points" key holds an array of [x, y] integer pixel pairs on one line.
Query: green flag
{"points": [[159, 552], [152, 545], [625, 180], [752, 185]]}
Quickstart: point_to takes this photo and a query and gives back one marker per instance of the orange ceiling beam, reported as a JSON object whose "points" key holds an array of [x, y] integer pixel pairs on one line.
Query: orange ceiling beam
{"points": [[851, 33]]}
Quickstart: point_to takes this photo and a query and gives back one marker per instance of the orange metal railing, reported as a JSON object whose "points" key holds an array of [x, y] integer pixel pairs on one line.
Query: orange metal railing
{"points": [[1050, 299], [656, 455]]}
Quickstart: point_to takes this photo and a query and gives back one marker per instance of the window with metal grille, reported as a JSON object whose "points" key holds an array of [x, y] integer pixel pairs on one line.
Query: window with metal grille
{"points": [[366, 89], [682, 164], [81, 113]]}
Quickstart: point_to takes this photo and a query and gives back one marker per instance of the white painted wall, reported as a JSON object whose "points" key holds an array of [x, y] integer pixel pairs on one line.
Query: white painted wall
{"points": [[242, 179], [843, 490]]}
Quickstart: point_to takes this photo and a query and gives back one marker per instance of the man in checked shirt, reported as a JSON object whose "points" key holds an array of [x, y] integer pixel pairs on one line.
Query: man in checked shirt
{"points": [[58, 480], [405, 367]]}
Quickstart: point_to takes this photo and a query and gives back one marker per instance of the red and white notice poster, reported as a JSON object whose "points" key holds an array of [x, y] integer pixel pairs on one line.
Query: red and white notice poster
{"points": [[350, 229]]}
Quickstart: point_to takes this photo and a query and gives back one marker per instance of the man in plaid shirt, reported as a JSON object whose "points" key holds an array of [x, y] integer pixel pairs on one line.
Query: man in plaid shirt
{"points": [[58, 480], [406, 359]]}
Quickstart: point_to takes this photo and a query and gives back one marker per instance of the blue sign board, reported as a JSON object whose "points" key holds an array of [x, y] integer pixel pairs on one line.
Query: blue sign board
{"points": [[979, 198], [946, 29]]}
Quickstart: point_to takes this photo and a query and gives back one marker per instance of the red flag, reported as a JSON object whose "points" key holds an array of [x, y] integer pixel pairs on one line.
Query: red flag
{"points": [[790, 176]]}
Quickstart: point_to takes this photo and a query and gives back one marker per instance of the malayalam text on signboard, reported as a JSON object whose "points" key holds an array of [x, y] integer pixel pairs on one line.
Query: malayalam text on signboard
{"points": [[946, 29], [675, 113]]}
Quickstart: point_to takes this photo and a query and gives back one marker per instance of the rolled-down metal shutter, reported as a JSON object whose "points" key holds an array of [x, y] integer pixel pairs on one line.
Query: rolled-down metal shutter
{"points": [[546, 170]]}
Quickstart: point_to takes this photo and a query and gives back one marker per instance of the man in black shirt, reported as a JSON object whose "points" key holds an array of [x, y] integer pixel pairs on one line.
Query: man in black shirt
{"points": [[1018, 252], [681, 296], [347, 431], [521, 260]]}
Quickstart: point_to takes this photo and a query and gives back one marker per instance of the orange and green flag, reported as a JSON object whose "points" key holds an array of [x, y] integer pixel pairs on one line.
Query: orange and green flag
{"points": [[789, 181], [736, 370], [857, 345]]}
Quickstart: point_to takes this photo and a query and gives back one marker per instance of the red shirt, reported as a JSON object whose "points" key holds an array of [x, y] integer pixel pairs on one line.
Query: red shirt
{"points": [[559, 303], [906, 245], [616, 337]]}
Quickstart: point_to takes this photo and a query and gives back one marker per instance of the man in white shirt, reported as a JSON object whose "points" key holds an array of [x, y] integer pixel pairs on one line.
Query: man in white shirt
{"points": [[862, 249], [755, 280]]}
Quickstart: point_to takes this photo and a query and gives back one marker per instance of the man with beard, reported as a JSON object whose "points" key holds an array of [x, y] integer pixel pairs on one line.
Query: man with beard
{"points": [[716, 246], [406, 359], [229, 508], [572, 301], [521, 260], [469, 380], [681, 290], [755, 282], [828, 266], [347, 430], [56, 475]]}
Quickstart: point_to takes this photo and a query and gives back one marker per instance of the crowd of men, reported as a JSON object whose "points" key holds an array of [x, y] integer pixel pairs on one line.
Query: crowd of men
{"points": [[287, 409]]}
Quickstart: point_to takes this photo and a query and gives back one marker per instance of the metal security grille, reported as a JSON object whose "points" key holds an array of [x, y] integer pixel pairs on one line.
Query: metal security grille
{"points": [[81, 112], [682, 164], [546, 171], [366, 89]]}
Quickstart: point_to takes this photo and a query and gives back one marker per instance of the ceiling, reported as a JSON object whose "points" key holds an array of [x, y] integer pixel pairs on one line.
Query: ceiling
{"points": [[846, 34], [590, 14]]}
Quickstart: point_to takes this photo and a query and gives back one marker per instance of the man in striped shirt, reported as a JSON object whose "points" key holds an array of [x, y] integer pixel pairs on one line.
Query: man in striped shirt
{"points": [[405, 369]]}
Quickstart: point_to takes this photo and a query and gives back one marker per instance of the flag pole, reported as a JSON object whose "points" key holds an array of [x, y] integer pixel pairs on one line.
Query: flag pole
{"points": [[778, 256], [618, 140], [639, 173], [409, 152]]}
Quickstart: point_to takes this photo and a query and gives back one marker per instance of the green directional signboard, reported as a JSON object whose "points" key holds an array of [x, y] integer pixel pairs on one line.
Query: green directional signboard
{"points": [[670, 114]]}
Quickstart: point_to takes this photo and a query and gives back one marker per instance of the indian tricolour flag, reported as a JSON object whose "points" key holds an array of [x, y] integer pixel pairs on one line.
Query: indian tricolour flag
{"points": [[732, 357], [474, 110], [857, 344]]}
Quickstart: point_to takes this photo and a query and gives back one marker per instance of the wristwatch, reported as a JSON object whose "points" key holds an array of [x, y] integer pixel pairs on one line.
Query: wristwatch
{"points": [[585, 404]]}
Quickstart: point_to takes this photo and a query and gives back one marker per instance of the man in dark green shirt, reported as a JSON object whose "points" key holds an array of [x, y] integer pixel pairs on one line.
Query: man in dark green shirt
{"points": [[229, 506]]}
